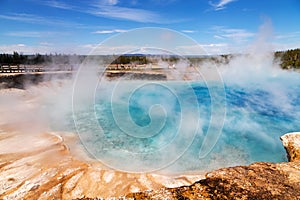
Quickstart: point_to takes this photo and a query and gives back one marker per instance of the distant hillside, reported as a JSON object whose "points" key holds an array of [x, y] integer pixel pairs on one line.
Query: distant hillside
{"points": [[290, 59]]}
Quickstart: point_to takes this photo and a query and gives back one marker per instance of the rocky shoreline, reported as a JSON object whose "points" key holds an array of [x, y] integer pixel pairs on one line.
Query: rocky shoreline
{"points": [[46, 169], [44, 166], [257, 181]]}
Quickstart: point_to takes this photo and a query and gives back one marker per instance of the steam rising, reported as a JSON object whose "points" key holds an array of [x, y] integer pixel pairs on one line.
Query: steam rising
{"points": [[262, 103]]}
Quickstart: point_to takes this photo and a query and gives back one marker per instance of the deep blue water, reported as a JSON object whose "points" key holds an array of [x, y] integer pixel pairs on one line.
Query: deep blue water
{"points": [[164, 124]]}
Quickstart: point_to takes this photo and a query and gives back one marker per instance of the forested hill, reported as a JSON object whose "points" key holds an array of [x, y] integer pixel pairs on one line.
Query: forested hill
{"points": [[289, 59]]}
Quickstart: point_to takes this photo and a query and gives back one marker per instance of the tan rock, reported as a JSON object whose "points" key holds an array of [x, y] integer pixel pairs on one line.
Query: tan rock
{"points": [[256, 181], [41, 166], [291, 143]]}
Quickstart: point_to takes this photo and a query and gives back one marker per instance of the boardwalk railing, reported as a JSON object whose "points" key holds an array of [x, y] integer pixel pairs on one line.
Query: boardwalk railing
{"points": [[6, 68]]}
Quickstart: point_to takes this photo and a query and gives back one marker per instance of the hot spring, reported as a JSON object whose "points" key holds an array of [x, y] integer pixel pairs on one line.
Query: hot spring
{"points": [[233, 113], [139, 126]]}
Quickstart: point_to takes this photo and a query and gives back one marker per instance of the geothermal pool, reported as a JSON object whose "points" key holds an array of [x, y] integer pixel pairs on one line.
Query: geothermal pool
{"points": [[148, 126]]}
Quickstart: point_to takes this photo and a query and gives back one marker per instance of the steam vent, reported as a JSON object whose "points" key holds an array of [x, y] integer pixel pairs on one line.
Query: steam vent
{"points": [[46, 169]]}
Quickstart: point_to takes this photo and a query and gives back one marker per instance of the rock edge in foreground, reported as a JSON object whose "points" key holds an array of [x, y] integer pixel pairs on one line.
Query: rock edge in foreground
{"points": [[257, 181], [291, 143]]}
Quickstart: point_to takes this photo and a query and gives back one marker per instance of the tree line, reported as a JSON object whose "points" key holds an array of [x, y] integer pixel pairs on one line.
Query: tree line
{"points": [[36, 59], [127, 59], [290, 59]]}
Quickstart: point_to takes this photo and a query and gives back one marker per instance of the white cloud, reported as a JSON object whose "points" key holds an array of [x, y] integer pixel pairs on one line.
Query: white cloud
{"points": [[219, 37], [216, 48], [44, 49], [110, 31], [46, 44], [24, 34], [24, 18], [31, 34], [236, 35], [112, 2], [202, 49], [188, 31], [84, 49], [107, 50], [214, 45], [57, 4], [291, 35], [163, 2], [109, 9], [35, 19], [285, 46], [221, 5], [132, 14], [89, 46], [22, 48]]}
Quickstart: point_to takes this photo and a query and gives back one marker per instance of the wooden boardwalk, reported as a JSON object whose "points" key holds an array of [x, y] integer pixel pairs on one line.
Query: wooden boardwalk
{"points": [[8, 68]]}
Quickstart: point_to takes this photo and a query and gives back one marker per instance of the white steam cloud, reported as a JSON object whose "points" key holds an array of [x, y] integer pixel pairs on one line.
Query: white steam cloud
{"points": [[48, 105]]}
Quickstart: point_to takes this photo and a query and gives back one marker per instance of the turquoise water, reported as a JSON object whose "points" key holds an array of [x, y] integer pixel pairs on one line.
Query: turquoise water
{"points": [[162, 125]]}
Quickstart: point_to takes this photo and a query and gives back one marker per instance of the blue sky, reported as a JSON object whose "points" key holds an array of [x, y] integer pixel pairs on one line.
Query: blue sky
{"points": [[70, 26]]}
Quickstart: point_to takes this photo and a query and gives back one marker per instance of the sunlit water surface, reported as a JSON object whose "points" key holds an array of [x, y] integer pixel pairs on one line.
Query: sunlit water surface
{"points": [[256, 116]]}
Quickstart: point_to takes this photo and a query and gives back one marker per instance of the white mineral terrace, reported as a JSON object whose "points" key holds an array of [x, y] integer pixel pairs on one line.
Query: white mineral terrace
{"points": [[41, 166], [45, 164]]}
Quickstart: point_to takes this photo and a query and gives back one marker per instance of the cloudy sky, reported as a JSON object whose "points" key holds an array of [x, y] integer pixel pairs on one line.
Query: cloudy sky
{"points": [[73, 26]]}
